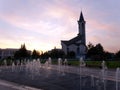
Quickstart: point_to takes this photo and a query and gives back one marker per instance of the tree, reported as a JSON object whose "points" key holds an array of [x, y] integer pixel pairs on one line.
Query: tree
{"points": [[90, 45], [45, 55], [91, 50], [54, 53], [57, 53], [35, 54], [108, 55], [22, 53], [99, 49], [117, 55], [95, 52]]}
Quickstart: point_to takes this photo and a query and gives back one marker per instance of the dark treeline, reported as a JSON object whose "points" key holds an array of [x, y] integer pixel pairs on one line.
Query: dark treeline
{"points": [[94, 52], [23, 53], [97, 52]]}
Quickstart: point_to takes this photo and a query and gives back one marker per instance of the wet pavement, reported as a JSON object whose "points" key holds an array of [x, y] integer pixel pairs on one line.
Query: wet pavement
{"points": [[2, 87], [6, 85], [47, 79]]}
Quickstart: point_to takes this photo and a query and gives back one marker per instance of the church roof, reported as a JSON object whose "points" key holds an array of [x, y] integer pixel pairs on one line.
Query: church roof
{"points": [[76, 40], [81, 17], [72, 41]]}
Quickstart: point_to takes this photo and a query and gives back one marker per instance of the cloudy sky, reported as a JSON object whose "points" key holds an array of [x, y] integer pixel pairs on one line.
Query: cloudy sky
{"points": [[42, 24]]}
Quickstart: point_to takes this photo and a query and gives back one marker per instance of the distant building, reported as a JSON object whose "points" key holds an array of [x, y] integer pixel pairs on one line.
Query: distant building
{"points": [[9, 52], [78, 43]]}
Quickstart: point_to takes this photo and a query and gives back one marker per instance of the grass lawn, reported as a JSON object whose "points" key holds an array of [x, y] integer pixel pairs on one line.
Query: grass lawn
{"points": [[74, 62], [93, 64]]}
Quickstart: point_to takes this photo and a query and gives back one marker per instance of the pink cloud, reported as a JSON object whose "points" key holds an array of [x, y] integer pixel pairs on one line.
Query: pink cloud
{"points": [[57, 20], [105, 33]]}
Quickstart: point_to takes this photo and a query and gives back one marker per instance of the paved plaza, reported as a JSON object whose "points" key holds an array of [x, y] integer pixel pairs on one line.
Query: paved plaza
{"points": [[6, 85], [56, 78]]}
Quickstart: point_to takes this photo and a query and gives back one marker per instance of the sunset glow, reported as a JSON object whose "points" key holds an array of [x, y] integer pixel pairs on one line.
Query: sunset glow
{"points": [[42, 24]]}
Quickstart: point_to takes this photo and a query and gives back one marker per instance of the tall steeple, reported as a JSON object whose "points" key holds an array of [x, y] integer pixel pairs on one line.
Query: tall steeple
{"points": [[81, 17], [81, 28]]}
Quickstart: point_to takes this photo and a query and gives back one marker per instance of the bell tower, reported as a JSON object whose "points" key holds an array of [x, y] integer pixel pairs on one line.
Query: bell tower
{"points": [[81, 28]]}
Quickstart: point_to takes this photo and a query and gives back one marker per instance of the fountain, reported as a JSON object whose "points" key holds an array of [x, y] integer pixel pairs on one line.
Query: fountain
{"points": [[62, 68], [5, 63], [103, 65], [117, 78], [59, 65], [65, 65], [92, 81], [28, 72], [31, 68], [49, 62], [104, 74], [13, 67], [82, 65]]}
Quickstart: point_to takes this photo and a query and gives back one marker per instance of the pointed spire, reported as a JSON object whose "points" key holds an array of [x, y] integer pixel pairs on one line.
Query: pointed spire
{"points": [[81, 17]]}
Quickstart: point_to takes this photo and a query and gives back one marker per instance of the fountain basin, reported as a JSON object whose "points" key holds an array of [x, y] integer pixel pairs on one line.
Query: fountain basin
{"points": [[53, 79]]}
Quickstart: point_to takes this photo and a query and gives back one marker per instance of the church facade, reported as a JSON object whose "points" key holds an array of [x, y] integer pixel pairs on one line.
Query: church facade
{"points": [[78, 43]]}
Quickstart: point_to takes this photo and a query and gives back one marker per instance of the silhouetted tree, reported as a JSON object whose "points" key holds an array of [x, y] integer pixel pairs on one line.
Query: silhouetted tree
{"points": [[54, 53], [57, 53], [22, 53], [35, 54], [108, 56], [99, 48], [117, 55], [91, 50], [95, 52], [45, 55], [90, 45]]}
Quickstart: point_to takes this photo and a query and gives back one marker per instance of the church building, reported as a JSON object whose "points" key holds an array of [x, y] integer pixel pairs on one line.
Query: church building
{"points": [[78, 43]]}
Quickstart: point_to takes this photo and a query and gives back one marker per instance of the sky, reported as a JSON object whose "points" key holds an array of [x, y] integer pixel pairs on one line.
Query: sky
{"points": [[42, 24]]}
